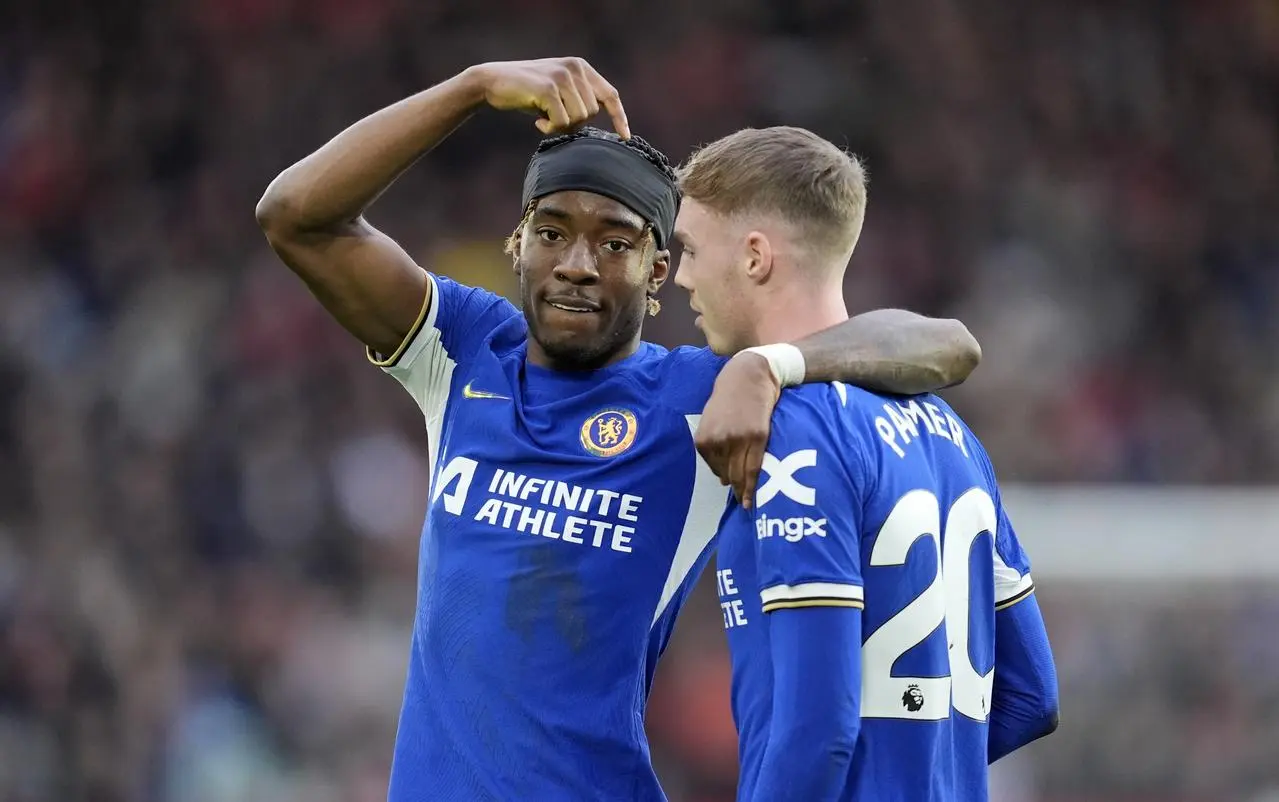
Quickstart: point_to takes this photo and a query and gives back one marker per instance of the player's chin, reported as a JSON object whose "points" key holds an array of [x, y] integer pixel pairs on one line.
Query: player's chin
{"points": [[718, 344], [574, 352], [575, 341], [720, 348]]}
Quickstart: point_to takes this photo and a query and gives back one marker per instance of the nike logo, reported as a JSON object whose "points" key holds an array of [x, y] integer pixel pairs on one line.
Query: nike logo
{"points": [[467, 392]]}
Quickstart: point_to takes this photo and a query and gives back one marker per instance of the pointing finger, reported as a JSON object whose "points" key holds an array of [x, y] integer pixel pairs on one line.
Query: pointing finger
{"points": [[609, 98]]}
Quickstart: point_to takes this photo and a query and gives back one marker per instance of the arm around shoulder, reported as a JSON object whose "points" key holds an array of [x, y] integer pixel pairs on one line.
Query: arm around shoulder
{"points": [[892, 350]]}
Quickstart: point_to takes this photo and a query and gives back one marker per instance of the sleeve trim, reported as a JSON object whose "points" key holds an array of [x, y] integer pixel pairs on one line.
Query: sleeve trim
{"points": [[425, 319], [821, 592], [1025, 594], [801, 603]]}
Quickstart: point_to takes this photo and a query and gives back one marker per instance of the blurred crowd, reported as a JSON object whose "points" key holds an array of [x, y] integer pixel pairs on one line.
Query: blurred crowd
{"points": [[209, 503]]}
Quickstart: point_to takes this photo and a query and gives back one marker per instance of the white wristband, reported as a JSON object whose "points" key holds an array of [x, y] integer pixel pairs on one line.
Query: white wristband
{"points": [[785, 360]]}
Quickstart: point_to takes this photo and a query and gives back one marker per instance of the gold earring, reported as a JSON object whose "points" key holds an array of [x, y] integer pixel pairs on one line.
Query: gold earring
{"points": [[654, 306]]}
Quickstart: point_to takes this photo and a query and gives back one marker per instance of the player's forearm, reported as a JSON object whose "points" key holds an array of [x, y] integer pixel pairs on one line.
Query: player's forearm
{"points": [[817, 677], [1024, 701], [333, 186], [892, 350]]}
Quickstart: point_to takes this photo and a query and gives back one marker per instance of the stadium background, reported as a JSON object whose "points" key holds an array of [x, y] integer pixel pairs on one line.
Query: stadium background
{"points": [[209, 503]]}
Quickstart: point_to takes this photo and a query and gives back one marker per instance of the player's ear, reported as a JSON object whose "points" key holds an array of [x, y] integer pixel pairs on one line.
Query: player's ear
{"points": [[758, 257], [661, 269]]}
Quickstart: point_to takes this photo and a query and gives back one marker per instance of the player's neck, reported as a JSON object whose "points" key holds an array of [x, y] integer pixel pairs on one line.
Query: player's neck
{"points": [[792, 315]]}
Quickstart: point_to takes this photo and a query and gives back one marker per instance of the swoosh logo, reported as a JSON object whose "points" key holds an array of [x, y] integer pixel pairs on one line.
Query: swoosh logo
{"points": [[467, 392]]}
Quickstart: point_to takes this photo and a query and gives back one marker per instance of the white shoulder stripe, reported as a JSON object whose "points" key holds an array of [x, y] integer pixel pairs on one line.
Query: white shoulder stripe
{"points": [[811, 590], [1007, 589], [1009, 583], [425, 369], [706, 507], [412, 341]]}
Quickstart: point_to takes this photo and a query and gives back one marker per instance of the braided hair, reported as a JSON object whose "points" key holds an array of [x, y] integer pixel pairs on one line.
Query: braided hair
{"points": [[638, 144]]}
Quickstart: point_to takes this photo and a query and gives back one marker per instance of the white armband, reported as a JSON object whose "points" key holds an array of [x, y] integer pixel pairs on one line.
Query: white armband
{"points": [[785, 361]]}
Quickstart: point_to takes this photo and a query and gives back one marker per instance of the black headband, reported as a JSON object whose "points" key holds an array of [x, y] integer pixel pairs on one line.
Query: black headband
{"points": [[610, 169]]}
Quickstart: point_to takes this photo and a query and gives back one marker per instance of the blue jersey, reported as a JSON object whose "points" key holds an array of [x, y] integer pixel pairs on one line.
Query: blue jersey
{"points": [[888, 504], [569, 515]]}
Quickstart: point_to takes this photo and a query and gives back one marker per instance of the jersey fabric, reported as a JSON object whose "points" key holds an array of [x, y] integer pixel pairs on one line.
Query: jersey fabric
{"points": [[569, 515], [889, 504]]}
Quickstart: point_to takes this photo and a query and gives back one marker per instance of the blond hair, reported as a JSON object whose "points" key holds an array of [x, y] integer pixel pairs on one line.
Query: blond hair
{"points": [[512, 245], [789, 172]]}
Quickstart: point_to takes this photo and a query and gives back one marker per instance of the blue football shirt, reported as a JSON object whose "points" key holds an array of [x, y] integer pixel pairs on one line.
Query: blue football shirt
{"points": [[569, 515], [888, 504]]}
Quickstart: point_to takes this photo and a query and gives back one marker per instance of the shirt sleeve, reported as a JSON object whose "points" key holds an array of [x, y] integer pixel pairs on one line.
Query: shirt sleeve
{"points": [[1013, 582], [808, 508], [1012, 567], [451, 326], [1024, 699], [817, 680]]}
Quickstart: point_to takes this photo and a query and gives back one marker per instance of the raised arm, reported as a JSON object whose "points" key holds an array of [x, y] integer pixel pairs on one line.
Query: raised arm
{"points": [[313, 212], [890, 350]]}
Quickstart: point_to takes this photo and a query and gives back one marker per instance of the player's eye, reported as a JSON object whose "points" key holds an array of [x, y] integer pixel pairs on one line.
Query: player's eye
{"points": [[617, 246], [549, 235]]}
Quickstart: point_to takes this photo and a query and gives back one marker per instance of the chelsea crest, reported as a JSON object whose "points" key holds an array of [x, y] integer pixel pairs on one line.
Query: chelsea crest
{"points": [[609, 432]]}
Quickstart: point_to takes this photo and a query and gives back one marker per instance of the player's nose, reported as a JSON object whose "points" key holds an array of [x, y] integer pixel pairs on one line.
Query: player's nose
{"points": [[683, 279], [577, 264]]}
